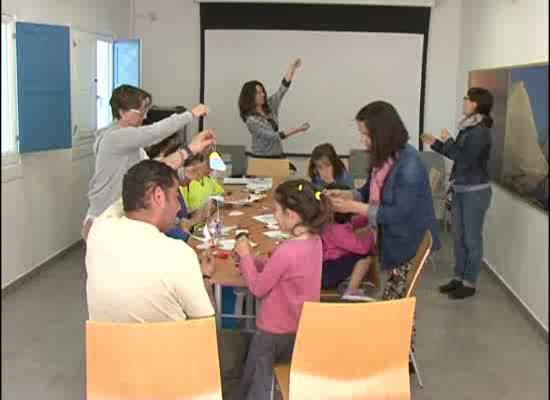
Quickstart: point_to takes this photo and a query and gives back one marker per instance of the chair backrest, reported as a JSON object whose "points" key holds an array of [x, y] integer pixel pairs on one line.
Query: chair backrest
{"points": [[238, 158], [435, 179], [363, 353], [163, 360], [418, 262], [434, 160], [359, 161], [265, 167]]}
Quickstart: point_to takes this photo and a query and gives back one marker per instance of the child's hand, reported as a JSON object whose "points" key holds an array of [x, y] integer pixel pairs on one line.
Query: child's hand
{"points": [[200, 215], [207, 263], [444, 134], [338, 194], [242, 247], [428, 139]]}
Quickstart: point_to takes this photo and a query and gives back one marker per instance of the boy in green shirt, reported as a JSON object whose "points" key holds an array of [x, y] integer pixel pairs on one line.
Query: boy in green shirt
{"points": [[198, 191]]}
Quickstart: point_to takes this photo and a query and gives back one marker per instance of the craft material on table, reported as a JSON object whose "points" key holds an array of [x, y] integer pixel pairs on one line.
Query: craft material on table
{"points": [[229, 244], [277, 235], [268, 219]]}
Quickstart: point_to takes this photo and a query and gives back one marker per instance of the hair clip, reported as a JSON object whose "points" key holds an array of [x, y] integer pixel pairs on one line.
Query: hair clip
{"points": [[300, 187], [318, 195]]}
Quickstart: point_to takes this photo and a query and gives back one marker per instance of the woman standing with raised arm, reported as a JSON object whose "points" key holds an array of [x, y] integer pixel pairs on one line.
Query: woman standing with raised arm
{"points": [[261, 115]]}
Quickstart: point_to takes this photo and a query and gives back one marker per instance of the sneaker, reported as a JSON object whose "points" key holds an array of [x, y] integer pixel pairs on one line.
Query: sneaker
{"points": [[462, 292], [452, 285], [356, 295], [343, 287]]}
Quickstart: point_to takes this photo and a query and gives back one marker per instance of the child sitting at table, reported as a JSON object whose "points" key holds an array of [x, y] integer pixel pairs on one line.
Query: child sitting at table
{"points": [[185, 220], [325, 167], [198, 191], [345, 252], [290, 277]]}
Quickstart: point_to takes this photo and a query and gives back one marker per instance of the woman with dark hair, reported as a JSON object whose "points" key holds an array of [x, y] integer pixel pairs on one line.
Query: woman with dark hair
{"points": [[470, 188], [396, 197], [261, 115], [325, 167]]}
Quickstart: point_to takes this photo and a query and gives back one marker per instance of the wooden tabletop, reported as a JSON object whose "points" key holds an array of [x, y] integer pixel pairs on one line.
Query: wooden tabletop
{"points": [[227, 272]]}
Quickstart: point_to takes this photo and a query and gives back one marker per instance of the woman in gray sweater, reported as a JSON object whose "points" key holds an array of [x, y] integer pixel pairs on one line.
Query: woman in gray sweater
{"points": [[117, 146], [261, 115]]}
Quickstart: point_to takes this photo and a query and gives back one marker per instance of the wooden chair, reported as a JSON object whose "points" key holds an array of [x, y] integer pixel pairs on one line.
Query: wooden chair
{"points": [[268, 167], [350, 358], [419, 260], [436, 181], [163, 360]]}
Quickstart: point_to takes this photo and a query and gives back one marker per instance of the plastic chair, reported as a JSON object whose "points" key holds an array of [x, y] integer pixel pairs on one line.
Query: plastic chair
{"points": [[162, 361]]}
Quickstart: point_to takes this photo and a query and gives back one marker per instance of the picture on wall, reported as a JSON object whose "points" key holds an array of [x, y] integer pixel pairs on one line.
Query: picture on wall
{"points": [[519, 157]]}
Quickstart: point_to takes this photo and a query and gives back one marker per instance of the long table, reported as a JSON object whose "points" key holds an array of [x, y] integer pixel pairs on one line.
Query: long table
{"points": [[227, 272]]}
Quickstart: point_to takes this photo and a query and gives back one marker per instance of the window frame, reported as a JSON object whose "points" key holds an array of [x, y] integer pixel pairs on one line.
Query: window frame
{"points": [[11, 157], [107, 39]]}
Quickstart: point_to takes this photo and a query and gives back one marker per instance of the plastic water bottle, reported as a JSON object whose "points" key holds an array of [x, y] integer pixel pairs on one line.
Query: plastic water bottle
{"points": [[228, 165]]}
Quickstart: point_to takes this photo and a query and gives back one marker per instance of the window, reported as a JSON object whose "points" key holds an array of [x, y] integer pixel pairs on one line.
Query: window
{"points": [[9, 104], [104, 82]]}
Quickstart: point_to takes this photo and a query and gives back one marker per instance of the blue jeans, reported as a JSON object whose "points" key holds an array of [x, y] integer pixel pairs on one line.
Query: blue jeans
{"points": [[468, 213]]}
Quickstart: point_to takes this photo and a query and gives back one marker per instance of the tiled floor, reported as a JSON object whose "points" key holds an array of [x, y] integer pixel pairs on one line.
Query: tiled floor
{"points": [[480, 348]]}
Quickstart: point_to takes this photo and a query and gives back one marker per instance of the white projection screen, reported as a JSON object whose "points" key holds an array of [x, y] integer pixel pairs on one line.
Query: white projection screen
{"points": [[341, 72]]}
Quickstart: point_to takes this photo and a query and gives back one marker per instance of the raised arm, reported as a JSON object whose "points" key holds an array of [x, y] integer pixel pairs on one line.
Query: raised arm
{"points": [[131, 138], [464, 151], [276, 98]]}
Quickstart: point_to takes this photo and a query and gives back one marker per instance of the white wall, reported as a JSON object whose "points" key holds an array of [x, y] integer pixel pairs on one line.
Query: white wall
{"points": [[43, 207], [170, 34], [497, 33]]}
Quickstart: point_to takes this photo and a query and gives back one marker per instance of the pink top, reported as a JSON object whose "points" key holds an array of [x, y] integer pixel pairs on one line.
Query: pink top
{"points": [[340, 239], [290, 277], [379, 176]]}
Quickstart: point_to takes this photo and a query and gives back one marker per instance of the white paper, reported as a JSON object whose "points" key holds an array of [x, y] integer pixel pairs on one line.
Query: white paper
{"points": [[268, 219], [229, 244], [277, 235], [235, 213], [227, 229]]}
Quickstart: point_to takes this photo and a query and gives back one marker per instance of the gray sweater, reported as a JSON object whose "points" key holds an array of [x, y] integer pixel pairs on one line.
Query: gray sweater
{"points": [[117, 149], [266, 140]]}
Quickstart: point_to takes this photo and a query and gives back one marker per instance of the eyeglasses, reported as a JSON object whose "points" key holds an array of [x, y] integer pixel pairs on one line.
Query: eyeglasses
{"points": [[142, 113], [466, 98]]}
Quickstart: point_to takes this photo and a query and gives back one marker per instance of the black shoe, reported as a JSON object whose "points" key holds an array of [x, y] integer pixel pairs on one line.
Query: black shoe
{"points": [[452, 285], [462, 292]]}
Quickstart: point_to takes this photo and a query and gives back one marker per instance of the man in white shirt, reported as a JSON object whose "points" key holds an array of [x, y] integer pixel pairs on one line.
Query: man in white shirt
{"points": [[135, 272]]}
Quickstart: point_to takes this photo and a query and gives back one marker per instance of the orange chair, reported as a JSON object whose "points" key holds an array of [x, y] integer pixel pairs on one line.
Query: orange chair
{"points": [[350, 358], [161, 361]]}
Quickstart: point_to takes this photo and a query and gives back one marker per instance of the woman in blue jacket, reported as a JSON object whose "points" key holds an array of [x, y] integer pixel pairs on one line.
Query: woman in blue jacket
{"points": [[470, 188], [396, 197]]}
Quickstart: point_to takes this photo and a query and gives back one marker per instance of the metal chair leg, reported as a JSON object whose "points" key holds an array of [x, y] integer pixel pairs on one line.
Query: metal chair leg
{"points": [[416, 371], [272, 397]]}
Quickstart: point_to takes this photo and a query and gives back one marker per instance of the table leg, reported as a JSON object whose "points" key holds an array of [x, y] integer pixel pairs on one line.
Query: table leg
{"points": [[218, 298], [250, 323]]}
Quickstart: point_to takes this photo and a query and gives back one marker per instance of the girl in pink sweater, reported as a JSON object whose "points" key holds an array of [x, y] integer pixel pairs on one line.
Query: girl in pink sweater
{"points": [[346, 254], [290, 277]]}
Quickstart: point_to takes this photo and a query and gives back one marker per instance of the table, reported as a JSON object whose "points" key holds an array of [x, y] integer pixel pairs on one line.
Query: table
{"points": [[227, 273]]}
